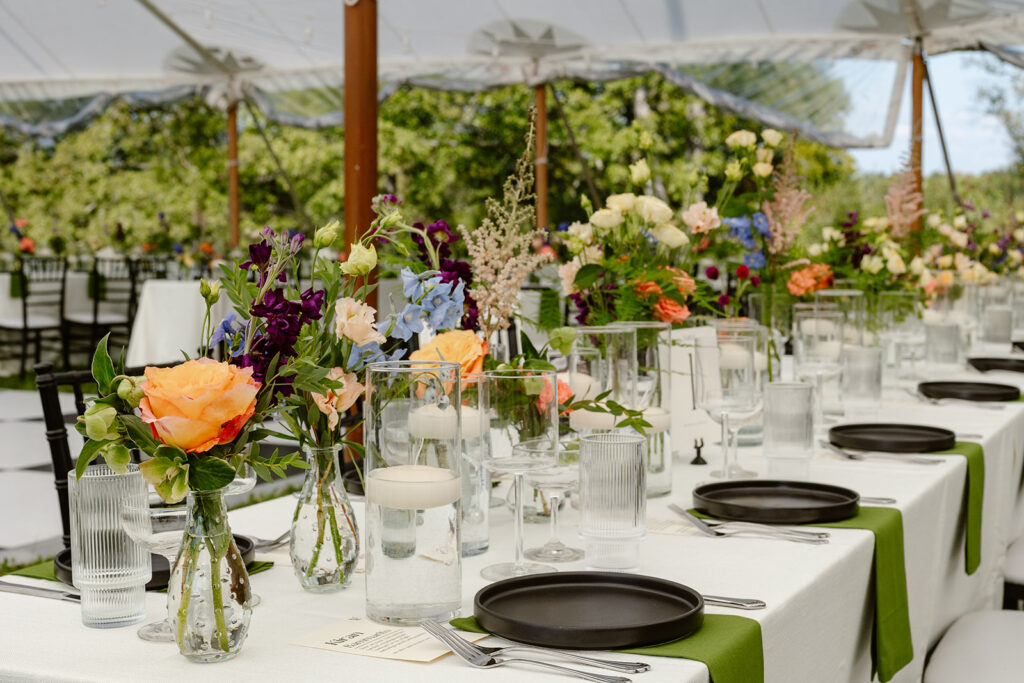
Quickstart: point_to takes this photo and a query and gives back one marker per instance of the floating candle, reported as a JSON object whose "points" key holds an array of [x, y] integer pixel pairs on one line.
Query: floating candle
{"points": [[412, 487]]}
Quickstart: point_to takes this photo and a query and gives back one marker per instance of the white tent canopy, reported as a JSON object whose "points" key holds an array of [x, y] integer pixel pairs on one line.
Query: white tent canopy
{"points": [[832, 69]]}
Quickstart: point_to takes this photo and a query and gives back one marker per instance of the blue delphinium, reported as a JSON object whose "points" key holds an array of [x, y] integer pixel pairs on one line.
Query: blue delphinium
{"points": [[412, 285], [740, 228], [754, 260], [408, 322], [762, 224]]}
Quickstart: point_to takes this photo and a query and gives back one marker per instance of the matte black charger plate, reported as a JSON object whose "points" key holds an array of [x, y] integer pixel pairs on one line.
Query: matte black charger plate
{"points": [[1006, 364], [776, 502], [161, 570], [892, 438], [1018, 345], [969, 391], [589, 610]]}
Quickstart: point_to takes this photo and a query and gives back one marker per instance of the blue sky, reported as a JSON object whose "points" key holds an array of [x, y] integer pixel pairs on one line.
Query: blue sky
{"points": [[977, 141]]}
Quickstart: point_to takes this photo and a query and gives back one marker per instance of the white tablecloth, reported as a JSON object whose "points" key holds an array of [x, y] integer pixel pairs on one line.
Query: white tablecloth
{"points": [[169, 320], [816, 627]]}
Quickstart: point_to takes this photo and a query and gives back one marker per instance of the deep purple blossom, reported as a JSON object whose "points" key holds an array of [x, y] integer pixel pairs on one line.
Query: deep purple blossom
{"points": [[582, 309], [851, 219], [968, 206]]}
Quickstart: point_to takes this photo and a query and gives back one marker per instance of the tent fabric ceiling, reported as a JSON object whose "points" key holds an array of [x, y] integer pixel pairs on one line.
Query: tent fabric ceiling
{"points": [[63, 61]]}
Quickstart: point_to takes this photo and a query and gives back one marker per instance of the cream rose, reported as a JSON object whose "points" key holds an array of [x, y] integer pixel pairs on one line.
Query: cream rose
{"points": [[671, 236], [771, 137], [945, 261], [606, 218], [640, 172], [960, 221], [584, 231], [934, 220], [621, 202], [959, 239], [700, 218], [872, 263], [567, 272], [762, 169], [652, 209], [741, 138], [338, 400], [765, 155], [354, 320]]}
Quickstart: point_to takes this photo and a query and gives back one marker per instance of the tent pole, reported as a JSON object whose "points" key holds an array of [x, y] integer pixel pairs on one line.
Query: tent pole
{"points": [[587, 177], [917, 101], [942, 135], [233, 171], [360, 121], [541, 163]]}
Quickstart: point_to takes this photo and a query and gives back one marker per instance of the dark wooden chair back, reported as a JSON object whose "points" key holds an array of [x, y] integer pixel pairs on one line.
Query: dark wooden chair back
{"points": [[41, 286]]}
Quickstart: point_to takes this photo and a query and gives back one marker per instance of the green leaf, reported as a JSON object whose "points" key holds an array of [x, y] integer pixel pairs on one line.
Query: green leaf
{"points": [[209, 474], [588, 275], [172, 453], [90, 450], [139, 432], [117, 457], [102, 366], [155, 470]]}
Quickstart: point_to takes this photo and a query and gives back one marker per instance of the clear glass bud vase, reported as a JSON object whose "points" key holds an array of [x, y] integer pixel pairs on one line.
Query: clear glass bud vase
{"points": [[324, 541], [209, 597]]}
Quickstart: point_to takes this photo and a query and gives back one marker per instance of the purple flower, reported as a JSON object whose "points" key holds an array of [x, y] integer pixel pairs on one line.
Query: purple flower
{"points": [[312, 305], [985, 214], [968, 206], [582, 309], [259, 255], [851, 219]]}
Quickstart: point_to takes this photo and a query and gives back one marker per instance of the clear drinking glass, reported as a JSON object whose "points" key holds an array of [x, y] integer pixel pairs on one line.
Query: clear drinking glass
{"points": [[996, 308], [109, 569], [514, 412], [943, 342], [727, 388], [413, 487], [862, 379], [789, 429], [654, 398], [476, 479], [613, 499], [817, 351], [901, 332], [158, 530], [852, 303], [603, 358], [555, 482]]}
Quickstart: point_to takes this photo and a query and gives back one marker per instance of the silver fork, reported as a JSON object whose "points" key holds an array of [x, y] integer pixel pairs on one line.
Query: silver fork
{"points": [[624, 667], [731, 527], [482, 661], [270, 544], [878, 455]]}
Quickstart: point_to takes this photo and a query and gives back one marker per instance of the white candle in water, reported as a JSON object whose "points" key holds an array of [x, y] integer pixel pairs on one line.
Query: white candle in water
{"points": [[660, 419], [472, 425], [432, 422], [412, 487], [733, 357], [829, 350], [760, 361], [818, 326], [930, 317], [585, 419]]}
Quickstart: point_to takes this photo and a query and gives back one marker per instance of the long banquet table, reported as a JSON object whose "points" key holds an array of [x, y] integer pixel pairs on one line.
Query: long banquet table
{"points": [[817, 626]]}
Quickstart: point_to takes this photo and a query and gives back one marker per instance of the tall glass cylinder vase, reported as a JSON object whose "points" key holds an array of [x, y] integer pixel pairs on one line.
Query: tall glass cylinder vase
{"points": [[209, 597], [413, 491], [108, 568], [603, 359], [324, 544], [476, 478], [654, 398]]}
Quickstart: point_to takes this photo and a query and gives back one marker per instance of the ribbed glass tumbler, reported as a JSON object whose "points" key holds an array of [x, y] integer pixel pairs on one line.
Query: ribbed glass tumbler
{"points": [[613, 499], [108, 568]]}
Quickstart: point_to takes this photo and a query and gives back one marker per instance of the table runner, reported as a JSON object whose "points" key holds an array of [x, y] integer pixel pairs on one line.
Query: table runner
{"points": [[729, 645], [974, 494], [44, 570], [891, 645]]}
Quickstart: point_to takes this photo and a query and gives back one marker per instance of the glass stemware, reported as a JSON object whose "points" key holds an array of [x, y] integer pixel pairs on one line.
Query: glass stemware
{"points": [[158, 530], [513, 411], [817, 351], [728, 390], [555, 481]]}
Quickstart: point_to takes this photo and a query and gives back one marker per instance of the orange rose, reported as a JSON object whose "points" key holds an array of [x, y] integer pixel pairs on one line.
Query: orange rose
{"points": [[810, 279], [668, 311], [547, 394], [199, 404], [26, 245], [457, 346], [338, 400], [647, 288]]}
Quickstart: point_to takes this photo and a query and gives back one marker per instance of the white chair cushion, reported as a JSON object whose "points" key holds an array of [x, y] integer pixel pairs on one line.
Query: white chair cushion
{"points": [[35, 320], [980, 647], [102, 318], [1013, 566]]}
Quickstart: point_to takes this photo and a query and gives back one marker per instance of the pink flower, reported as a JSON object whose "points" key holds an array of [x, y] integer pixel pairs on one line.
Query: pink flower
{"points": [[702, 219], [338, 400], [668, 311], [356, 321]]}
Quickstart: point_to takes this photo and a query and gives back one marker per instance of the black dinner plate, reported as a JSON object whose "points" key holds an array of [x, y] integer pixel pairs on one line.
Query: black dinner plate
{"points": [[969, 391], [892, 438], [776, 502], [1005, 364], [1018, 345], [589, 610], [161, 570]]}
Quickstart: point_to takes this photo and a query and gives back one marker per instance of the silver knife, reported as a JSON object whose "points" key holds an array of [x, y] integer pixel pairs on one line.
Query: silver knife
{"points": [[6, 587]]}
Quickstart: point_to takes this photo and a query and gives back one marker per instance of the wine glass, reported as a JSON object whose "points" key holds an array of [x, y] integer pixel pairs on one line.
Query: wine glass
{"points": [[158, 530], [727, 388], [555, 481], [817, 351], [512, 410]]}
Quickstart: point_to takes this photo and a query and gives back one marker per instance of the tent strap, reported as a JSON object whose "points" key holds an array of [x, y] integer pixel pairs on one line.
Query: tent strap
{"points": [[300, 208], [942, 135]]}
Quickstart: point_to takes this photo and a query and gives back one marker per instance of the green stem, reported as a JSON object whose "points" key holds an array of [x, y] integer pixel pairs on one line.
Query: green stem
{"points": [[186, 589], [208, 509]]}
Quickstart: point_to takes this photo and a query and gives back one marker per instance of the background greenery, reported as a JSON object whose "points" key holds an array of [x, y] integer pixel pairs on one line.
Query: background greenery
{"points": [[443, 153]]}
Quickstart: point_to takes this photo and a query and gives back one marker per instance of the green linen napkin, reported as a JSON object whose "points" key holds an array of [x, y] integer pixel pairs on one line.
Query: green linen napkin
{"points": [[974, 495], [891, 646], [729, 645], [44, 570]]}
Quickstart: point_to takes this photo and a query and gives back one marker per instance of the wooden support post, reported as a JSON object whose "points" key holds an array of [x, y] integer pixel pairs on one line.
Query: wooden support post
{"points": [[360, 120], [917, 122], [233, 216], [541, 167]]}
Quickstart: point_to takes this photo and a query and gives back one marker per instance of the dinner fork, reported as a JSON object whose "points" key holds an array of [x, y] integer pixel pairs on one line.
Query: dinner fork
{"points": [[624, 667], [482, 661], [879, 455], [726, 528], [263, 544]]}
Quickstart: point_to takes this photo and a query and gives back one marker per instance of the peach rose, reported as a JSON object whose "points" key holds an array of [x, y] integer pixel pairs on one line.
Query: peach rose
{"points": [[458, 346], [647, 288], [356, 321], [199, 404], [547, 394], [668, 311], [338, 400], [684, 283]]}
